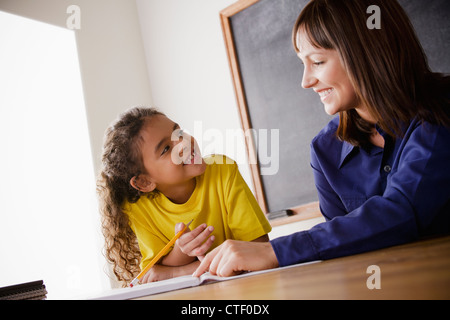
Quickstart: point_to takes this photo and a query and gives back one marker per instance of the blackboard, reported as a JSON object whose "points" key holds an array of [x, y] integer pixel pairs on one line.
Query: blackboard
{"points": [[267, 76]]}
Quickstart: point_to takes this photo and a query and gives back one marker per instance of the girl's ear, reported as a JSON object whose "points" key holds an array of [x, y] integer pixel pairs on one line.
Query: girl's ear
{"points": [[142, 183]]}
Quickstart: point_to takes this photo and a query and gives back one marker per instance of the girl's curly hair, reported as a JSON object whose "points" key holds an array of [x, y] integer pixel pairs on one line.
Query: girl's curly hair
{"points": [[121, 160]]}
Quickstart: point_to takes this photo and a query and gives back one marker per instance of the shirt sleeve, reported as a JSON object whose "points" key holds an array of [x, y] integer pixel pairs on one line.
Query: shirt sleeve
{"points": [[329, 202], [245, 217], [413, 204], [149, 243]]}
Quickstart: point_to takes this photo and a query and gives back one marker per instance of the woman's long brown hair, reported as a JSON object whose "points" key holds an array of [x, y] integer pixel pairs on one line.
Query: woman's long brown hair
{"points": [[387, 67]]}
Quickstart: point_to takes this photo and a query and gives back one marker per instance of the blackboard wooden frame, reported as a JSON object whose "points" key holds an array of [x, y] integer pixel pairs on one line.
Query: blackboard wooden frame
{"points": [[240, 95], [300, 212]]}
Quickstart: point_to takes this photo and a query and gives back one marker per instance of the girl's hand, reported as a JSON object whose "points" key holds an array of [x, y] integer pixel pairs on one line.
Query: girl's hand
{"points": [[157, 273], [160, 272], [197, 242]]}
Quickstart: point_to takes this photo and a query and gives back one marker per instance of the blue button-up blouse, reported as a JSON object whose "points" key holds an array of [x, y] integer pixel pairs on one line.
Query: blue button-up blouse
{"points": [[374, 197]]}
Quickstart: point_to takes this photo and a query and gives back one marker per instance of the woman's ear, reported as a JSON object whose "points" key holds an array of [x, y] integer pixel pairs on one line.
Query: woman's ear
{"points": [[142, 183]]}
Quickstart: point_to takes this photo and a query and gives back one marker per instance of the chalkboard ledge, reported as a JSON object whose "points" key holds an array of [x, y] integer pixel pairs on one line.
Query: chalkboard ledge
{"points": [[303, 212]]}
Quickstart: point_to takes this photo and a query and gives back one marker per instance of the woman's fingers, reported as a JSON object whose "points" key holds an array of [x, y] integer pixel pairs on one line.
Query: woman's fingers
{"points": [[232, 257]]}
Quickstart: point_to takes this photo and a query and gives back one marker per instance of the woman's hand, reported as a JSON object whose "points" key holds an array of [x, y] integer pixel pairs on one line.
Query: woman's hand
{"points": [[233, 257]]}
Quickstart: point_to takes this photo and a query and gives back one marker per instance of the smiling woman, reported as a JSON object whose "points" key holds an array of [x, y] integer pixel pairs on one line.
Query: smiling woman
{"points": [[47, 185], [389, 75], [324, 72]]}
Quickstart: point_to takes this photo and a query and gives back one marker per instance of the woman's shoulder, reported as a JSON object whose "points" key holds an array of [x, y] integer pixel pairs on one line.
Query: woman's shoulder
{"points": [[423, 132], [327, 135]]}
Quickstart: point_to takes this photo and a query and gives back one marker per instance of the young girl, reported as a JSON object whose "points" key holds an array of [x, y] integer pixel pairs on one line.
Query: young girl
{"points": [[381, 166], [154, 177]]}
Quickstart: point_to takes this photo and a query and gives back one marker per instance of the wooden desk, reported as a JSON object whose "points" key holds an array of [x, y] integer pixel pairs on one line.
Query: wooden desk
{"points": [[419, 270]]}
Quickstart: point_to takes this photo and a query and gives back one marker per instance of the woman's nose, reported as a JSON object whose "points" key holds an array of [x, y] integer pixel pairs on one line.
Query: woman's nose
{"points": [[308, 79]]}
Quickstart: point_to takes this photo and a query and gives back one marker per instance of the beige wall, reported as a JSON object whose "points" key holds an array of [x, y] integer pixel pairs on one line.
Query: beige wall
{"points": [[189, 73], [112, 61]]}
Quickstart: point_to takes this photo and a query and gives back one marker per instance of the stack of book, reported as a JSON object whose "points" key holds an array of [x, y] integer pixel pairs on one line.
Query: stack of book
{"points": [[25, 291]]}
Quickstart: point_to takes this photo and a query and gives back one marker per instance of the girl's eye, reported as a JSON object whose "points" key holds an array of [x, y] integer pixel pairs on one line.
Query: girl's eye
{"points": [[166, 149], [318, 63]]}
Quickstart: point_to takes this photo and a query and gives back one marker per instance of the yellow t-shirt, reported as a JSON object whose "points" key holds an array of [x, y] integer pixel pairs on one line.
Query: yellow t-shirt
{"points": [[221, 199]]}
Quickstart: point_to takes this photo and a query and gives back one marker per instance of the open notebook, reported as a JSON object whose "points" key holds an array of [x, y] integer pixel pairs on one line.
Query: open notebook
{"points": [[175, 284]]}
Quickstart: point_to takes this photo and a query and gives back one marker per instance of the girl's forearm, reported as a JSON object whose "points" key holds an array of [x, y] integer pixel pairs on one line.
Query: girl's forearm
{"points": [[177, 258], [186, 269], [160, 272]]}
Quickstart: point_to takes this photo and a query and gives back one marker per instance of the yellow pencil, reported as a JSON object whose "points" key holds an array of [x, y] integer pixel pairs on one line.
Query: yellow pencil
{"points": [[159, 255]]}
